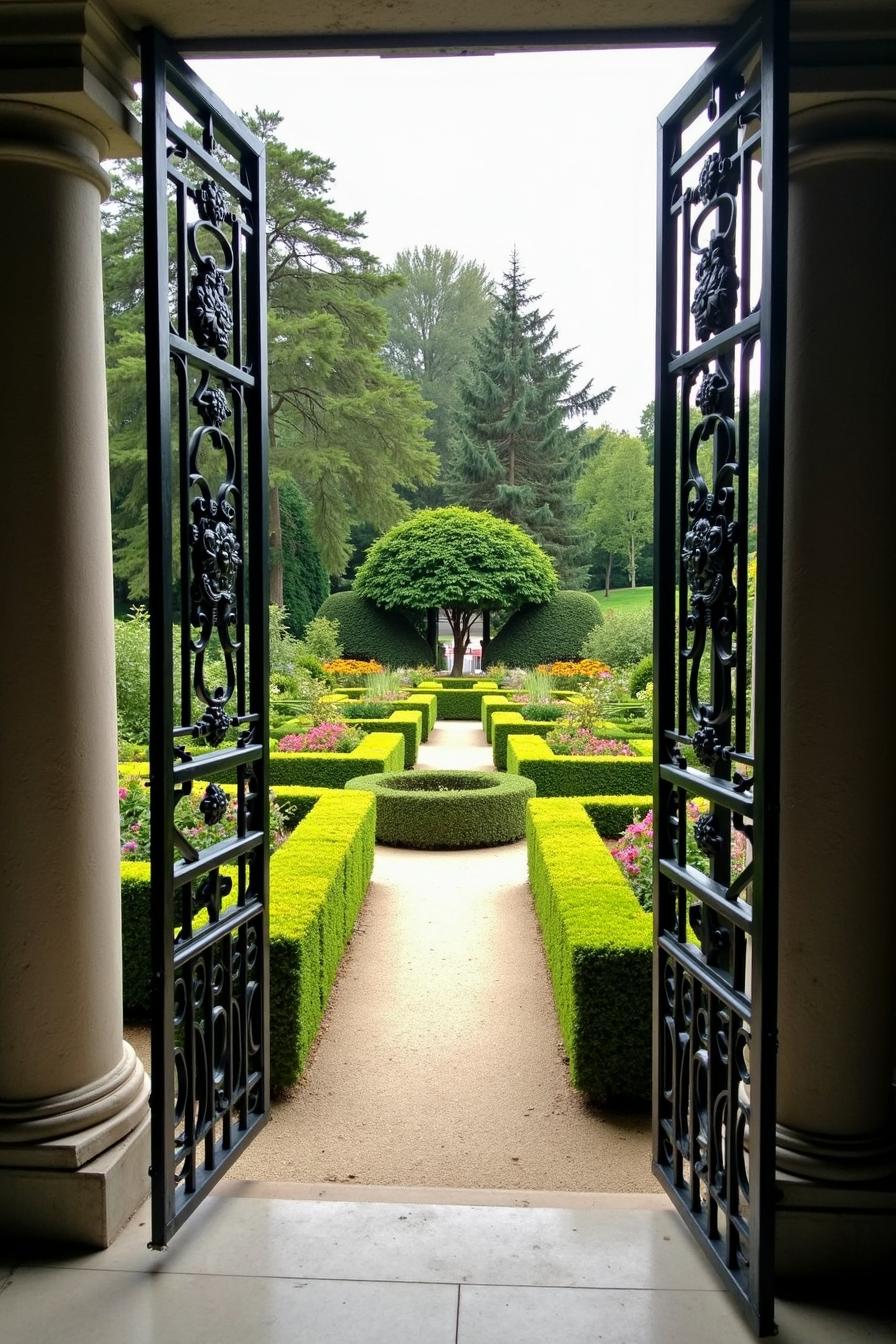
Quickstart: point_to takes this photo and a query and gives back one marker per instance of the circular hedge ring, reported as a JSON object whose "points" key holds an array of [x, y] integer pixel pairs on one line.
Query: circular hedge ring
{"points": [[447, 809]]}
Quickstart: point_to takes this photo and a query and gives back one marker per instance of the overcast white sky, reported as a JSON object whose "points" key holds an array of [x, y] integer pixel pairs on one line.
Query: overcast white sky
{"points": [[553, 152]]}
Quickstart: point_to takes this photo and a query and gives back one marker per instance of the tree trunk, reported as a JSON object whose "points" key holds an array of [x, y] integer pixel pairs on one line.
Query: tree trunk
{"points": [[275, 593], [609, 573], [460, 621]]}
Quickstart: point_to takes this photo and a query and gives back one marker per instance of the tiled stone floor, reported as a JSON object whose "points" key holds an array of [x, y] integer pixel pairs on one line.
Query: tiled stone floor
{"points": [[281, 1269]]}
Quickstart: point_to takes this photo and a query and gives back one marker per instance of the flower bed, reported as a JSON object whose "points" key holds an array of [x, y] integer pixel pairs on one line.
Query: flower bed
{"points": [[599, 948], [511, 722], [448, 809], [319, 879], [378, 752], [568, 776], [329, 737]]}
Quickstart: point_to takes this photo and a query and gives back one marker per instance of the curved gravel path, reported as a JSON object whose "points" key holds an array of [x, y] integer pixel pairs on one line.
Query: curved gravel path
{"points": [[440, 1063]]}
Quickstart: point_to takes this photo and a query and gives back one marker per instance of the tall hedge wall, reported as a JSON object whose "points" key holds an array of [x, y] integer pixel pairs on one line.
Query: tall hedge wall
{"points": [[540, 634], [367, 631]]}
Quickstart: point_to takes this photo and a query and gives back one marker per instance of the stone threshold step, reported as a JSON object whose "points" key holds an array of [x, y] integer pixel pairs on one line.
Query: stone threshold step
{"points": [[348, 1191]]}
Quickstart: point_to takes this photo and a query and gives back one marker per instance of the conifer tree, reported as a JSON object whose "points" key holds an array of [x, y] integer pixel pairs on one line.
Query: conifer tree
{"points": [[515, 451]]}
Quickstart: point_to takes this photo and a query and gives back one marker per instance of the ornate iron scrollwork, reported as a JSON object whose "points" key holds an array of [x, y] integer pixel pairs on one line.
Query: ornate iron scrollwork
{"points": [[207, 416]]}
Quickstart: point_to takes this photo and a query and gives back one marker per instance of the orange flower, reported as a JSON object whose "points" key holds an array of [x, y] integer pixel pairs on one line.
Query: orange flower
{"points": [[352, 667], [584, 668]]}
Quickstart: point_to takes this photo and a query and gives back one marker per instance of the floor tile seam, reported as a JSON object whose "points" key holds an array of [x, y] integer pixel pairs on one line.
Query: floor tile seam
{"points": [[341, 1278]]}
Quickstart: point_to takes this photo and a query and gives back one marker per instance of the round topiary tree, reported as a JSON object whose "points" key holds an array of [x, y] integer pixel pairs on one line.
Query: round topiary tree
{"points": [[547, 632], [463, 561], [367, 631]]}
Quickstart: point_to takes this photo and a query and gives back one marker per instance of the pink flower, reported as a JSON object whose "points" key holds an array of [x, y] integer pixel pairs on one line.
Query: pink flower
{"points": [[122, 793], [129, 847]]}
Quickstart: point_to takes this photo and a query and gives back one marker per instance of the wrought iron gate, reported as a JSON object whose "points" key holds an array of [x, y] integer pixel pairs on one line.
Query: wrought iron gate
{"points": [[206, 366], [720, 349]]}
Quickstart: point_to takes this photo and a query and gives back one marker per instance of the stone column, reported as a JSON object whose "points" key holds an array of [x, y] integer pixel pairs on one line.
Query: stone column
{"points": [[73, 1096], [836, 1133]]}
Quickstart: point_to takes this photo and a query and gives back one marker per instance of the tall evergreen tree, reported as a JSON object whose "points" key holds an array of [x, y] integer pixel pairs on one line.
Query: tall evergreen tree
{"points": [[514, 450], [434, 316], [305, 580]]}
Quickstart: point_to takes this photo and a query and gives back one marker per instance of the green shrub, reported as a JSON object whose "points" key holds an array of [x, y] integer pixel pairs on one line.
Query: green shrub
{"points": [[642, 675], [330, 770], [571, 776], [132, 675], [448, 809], [367, 631], [599, 948], [624, 638], [426, 702], [322, 640], [305, 580], [543, 713], [551, 630]]}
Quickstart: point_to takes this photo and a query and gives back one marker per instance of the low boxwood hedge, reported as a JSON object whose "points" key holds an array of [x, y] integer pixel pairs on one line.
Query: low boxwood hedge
{"points": [[296, 802], [571, 776], [408, 722], [426, 703], [378, 752], [459, 702], [459, 683], [510, 722], [448, 809], [599, 947], [319, 878], [491, 704]]}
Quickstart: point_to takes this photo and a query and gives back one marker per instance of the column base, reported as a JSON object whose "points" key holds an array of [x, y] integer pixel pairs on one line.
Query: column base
{"points": [[833, 1236], [850, 1160], [89, 1206]]}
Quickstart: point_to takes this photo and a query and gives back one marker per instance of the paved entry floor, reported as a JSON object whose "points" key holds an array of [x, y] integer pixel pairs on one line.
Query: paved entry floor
{"points": [[292, 1271], [440, 1061]]}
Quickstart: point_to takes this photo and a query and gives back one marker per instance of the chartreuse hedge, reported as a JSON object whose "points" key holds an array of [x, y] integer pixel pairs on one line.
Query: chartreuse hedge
{"points": [[408, 722], [459, 683], [427, 704], [598, 943], [491, 703], [377, 753], [509, 722], [319, 879], [448, 809], [458, 702], [571, 776]]}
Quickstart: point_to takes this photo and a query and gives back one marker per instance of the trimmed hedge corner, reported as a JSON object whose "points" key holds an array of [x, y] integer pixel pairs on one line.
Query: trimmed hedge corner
{"points": [[572, 776], [493, 703], [550, 631], [448, 809], [599, 948], [408, 722], [367, 631], [378, 752], [510, 723]]}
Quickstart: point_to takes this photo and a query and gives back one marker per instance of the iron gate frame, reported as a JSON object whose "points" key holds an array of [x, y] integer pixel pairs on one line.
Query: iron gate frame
{"points": [[210, 985], [688, 1134]]}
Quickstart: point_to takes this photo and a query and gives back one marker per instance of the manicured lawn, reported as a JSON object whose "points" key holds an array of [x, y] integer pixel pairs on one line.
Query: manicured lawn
{"points": [[625, 599]]}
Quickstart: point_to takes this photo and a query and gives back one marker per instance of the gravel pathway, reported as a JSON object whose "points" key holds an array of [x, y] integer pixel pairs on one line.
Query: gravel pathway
{"points": [[440, 1063]]}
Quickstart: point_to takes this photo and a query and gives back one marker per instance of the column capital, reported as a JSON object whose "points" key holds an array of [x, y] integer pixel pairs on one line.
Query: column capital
{"points": [[72, 56]]}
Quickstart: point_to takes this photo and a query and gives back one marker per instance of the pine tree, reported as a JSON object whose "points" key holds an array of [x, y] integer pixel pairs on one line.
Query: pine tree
{"points": [[305, 580], [514, 451]]}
